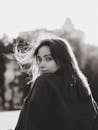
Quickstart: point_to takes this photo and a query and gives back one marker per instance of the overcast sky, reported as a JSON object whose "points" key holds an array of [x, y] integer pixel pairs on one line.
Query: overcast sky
{"points": [[26, 15]]}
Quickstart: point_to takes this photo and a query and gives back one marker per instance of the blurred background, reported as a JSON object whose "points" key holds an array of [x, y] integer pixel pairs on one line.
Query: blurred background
{"points": [[76, 21], [13, 82]]}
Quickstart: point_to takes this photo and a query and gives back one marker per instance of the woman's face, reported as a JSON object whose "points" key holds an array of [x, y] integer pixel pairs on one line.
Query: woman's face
{"points": [[45, 61]]}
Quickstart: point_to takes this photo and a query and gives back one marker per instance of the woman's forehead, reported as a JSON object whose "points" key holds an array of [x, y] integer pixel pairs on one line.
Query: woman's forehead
{"points": [[44, 51]]}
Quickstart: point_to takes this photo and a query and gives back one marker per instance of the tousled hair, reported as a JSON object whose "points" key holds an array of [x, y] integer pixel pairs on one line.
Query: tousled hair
{"points": [[62, 53]]}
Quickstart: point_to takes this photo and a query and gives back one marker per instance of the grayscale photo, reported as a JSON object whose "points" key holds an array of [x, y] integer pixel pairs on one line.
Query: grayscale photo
{"points": [[48, 65]]}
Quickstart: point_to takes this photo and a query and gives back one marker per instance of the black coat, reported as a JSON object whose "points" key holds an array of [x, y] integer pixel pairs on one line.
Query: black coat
{"points": [[47, 108]]}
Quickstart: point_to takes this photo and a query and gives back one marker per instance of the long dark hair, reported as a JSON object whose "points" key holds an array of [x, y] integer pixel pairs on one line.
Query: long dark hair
{"points": [[64, 56]]}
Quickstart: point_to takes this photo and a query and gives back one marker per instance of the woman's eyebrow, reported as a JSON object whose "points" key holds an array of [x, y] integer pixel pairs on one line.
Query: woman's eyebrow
{"points": [[47, 55], [44, 55]]}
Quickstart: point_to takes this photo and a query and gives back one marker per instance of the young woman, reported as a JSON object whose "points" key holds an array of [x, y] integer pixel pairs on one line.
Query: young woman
{"points": [[60, 98]]}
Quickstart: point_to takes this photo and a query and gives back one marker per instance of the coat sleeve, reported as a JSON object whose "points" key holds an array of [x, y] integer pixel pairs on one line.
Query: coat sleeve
{"points": [[40, 104], [33, 107], [47, 110], [87, 114]]}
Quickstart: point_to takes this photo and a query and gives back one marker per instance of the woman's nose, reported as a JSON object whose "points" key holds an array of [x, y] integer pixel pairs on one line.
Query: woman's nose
{"points": [[42, 64]]}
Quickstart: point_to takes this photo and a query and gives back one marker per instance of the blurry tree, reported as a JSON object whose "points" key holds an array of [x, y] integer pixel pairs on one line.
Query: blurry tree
{"points": [[12, 80], [91, 69], [2, 70]]}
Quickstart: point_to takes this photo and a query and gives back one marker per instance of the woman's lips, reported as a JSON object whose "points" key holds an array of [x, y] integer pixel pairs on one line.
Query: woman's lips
{"points": [[44, 71]]}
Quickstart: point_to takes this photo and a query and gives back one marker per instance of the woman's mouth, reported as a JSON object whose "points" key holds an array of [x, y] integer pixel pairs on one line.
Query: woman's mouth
{"points": [[44, 71]]}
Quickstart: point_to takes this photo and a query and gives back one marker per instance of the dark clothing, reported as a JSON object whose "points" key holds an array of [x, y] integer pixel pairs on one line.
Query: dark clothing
{"points": [[48, 108], [95, 126]]}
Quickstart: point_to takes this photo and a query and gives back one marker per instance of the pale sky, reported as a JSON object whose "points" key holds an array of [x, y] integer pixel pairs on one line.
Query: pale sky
{"points": [[27, 15]]}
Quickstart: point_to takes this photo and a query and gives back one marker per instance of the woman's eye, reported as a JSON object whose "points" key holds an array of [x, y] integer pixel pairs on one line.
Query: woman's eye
{"points": [[48, 58]]}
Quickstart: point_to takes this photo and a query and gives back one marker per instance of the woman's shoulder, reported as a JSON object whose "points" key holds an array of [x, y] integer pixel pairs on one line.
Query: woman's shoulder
{"points": [[50, 76], [46, 77], [43, 83]]}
